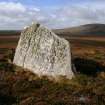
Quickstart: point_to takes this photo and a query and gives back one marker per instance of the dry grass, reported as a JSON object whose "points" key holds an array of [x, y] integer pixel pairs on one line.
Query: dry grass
{"points": [[19, 87]]}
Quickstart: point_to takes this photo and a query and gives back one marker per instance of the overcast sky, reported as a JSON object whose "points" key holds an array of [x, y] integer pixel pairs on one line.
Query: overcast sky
{"points": [[15, 14]]}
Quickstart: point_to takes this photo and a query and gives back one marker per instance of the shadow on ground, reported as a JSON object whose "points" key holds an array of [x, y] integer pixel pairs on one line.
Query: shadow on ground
{"points": [[87, 66], [7, 100]]}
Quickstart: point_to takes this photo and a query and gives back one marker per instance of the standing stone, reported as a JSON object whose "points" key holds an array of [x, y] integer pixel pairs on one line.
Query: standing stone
{"points": [[43, 52]]}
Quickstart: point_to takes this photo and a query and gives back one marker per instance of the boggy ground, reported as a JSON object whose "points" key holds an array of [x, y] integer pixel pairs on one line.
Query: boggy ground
{"points": [[18, 87]]}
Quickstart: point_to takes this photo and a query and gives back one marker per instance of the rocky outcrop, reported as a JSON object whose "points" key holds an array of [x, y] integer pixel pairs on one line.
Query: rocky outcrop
{"points": [[43, 52]]}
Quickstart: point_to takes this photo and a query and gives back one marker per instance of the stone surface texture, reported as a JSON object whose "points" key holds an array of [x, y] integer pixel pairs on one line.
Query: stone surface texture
{"points": [[43, 52]]}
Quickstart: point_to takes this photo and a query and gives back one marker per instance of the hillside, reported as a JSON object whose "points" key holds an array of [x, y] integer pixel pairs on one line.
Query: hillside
{"points": [[18, 87], [83, 30], [9, 32]]}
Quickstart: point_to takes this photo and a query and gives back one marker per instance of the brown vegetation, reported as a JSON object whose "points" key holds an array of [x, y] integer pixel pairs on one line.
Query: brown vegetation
{"points": [[18, 87]]}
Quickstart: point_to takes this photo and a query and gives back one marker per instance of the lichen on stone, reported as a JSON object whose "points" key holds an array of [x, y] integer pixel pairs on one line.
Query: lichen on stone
{"points": [[43, 52]]}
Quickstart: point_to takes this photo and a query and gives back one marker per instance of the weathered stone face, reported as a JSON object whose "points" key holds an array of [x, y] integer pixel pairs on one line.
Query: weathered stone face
{"points": [[43, 52]]}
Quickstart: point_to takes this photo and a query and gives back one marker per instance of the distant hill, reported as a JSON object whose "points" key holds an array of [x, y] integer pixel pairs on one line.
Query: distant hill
{"points": [[9, 32], [82, 30], [88, 30]]}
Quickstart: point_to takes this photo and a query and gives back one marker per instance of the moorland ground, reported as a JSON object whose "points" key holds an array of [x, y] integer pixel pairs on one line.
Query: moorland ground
{"points": [[87, 88]]}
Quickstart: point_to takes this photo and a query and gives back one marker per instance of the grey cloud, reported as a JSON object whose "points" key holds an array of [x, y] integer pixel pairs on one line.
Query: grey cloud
{"points": [[17, 15], [81, 14]]}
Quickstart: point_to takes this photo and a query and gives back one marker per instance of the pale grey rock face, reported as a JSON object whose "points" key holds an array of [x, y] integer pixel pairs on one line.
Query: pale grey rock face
{"points": [[43, 52]]}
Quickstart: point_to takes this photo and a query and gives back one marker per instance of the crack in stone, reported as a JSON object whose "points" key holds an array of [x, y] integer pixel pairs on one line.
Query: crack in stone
{"points": [[29, 43]]}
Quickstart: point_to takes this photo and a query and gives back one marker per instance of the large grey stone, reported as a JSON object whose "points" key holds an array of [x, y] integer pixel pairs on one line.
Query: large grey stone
{"points": [[43, 52]]}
